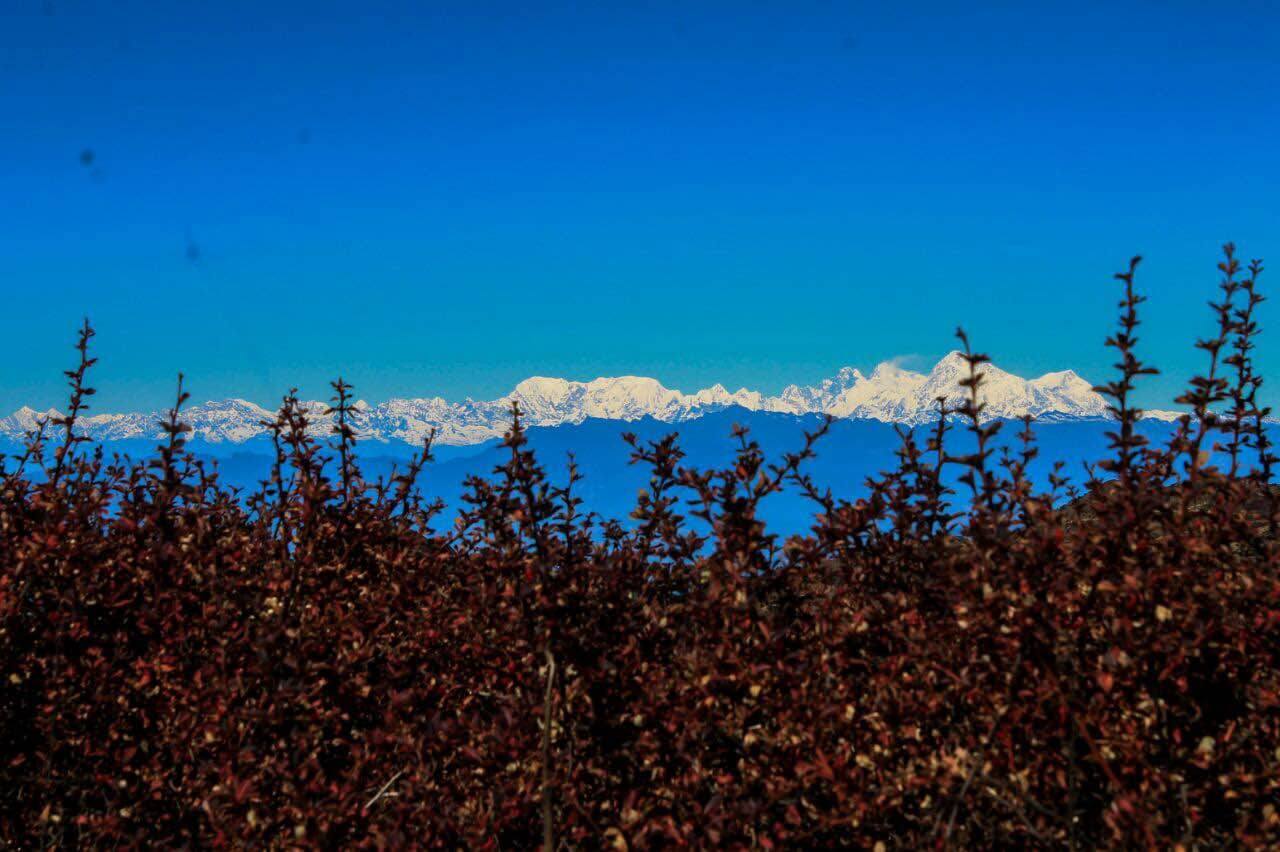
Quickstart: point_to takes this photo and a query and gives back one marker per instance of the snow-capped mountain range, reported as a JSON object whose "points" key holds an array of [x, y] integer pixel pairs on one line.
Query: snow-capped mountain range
{"points": [[889, 394]]}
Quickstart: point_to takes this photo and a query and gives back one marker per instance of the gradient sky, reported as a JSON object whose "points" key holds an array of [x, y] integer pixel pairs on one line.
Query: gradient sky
{"points": [[439, 198]]}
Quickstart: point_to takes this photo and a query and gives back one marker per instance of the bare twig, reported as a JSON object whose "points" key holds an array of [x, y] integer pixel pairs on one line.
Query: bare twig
{"points": [[548, 827], [382, 791]]}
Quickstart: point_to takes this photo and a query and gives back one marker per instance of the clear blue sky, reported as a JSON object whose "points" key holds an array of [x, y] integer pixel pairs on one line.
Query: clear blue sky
{"points": [[444, 198]]}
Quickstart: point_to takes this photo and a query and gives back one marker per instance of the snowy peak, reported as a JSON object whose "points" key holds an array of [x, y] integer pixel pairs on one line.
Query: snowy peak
{"points": [[25, 420], [1065, 381], [546, 402], [233, 420], [890, 393]]}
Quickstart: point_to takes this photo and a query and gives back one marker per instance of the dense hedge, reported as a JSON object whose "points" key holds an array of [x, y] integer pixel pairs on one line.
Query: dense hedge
{"points": [[329, 662]]}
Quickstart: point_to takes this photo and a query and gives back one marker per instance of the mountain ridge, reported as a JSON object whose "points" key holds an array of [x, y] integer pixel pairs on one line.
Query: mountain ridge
{"points": [[890, 394]]}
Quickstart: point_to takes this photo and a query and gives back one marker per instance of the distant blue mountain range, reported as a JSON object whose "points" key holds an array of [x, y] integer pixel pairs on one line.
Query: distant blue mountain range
{"points": [[847, 456]]}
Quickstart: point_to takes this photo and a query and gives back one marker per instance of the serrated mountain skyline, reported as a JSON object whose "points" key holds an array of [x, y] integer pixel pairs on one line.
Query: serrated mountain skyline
{"points": [[889, 394]]}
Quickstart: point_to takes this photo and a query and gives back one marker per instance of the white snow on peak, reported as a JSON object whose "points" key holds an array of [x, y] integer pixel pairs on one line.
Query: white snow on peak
{"points": [[26, 420], [890, 393], [1166, 416], [546, 402], [1061, 379]]}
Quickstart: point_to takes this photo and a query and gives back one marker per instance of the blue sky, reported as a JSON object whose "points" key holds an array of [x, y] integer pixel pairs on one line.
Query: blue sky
{"points": [[446, 198]]}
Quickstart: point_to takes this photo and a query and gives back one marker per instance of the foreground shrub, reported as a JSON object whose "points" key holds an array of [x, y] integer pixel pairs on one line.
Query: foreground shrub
{"points": [[328, 662]]}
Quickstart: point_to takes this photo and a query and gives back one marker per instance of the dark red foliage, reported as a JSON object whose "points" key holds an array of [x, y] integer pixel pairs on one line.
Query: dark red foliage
{"points": [[315, 664]]}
